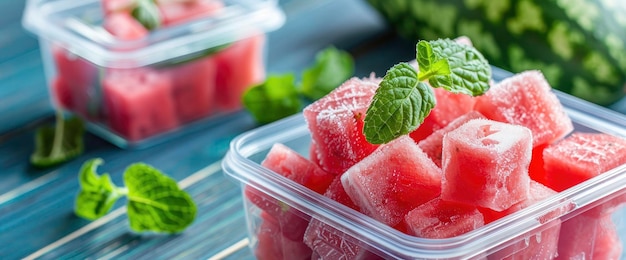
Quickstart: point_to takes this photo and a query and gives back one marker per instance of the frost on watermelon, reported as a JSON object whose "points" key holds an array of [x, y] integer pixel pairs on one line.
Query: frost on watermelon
{"points": [[608, 244], [138, 103], [581, 156], [432, 145], [442, 219], [449, 107], [536, 193], [393, 180], [526, 99], [239, 66], [485, 163], [272, 244], [336, 125], [193, 87]]}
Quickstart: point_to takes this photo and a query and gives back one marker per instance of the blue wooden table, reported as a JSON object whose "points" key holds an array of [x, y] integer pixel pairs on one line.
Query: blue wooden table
{"points": [[36, 206]]}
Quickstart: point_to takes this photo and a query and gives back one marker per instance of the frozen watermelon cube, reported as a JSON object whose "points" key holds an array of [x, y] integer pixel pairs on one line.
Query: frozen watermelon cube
{"points": [[272, 244], [174, 12], [581, 156], [442, 219], [536, 193], [337, 193], [336, 124], [540, 243], [286, 162], [526, 99], [584, 236], [485, 163], [193, 87], [75, 83], [138, 103], [432, 144], [239, 67], [294, 166], [449, 107], [328, 243], [393, 180], [124, 26], [607, 244]]}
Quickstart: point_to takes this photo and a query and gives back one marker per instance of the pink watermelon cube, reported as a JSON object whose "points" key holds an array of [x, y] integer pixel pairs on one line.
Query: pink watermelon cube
{"points": [[272, 244], [124, 26], [442, 219], [536, 193], [608, 244], [450, 106], [432, 145], [239, 67], [175, 12], [138, 103], [336, 124], [598, 238], [582, 156], [328, 243], [193, 87], [76, 83], [294, 166], [540, 243], [337, 193], [286, 162], [110, 6], [62, 94], [485, 163], [526, 99], [393, 180]]}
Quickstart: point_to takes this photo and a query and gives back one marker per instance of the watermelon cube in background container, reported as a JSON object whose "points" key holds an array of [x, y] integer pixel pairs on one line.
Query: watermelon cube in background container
{"points": [[137, 87], [586, 221]]}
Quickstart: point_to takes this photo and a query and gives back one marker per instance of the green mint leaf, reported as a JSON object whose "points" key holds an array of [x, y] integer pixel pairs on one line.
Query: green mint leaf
{"points": [[469, 70], [97, 195], [399, 106], [58, 144], [274, 99], [332, 67], [147, 14], [155, 202]]}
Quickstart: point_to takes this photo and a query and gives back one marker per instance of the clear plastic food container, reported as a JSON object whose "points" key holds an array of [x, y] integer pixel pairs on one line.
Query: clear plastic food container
{"points": [[586, 216], [137, 87]]}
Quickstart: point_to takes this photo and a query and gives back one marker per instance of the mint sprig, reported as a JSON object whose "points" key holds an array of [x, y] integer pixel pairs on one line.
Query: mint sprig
{"points": [[403, 100], [331, 68], [155, 202], [279, 96], [146, 12], [59, 143]]}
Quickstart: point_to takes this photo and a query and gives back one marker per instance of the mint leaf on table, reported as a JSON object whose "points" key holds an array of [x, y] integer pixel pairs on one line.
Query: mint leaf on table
{"points": [[146, 12], [279, 97], [98, 194], [403, 99], [274, 99], [399, 106], [469, 70], [331, 68], [59, 143], [155, 202]]}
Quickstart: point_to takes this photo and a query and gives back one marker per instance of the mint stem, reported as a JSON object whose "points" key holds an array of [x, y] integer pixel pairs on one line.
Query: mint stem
{"points": [[57, 144]]}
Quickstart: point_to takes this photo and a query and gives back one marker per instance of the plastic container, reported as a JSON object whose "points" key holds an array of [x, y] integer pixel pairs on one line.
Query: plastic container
{"points": [[584, 215], [136, 87]]}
